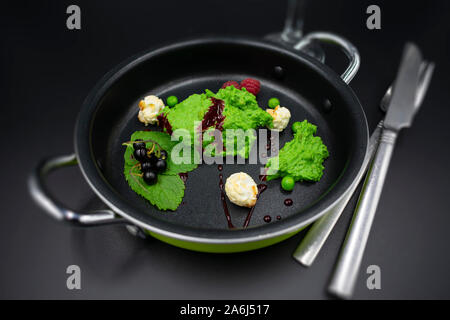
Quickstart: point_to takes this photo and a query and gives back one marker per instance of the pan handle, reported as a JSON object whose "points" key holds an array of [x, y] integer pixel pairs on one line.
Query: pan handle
{"points": [[349, 49], [53, 207]]}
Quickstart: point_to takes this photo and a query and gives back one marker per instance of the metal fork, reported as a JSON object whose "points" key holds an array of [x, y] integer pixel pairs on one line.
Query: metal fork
{"points": [[317, 235]]}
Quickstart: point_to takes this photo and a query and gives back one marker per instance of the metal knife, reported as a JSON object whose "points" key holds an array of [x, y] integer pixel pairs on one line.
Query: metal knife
{"points": [[312, 243], [399, 115]]}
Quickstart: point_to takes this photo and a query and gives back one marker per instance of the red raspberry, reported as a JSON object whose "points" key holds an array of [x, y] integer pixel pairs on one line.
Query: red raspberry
{"points": [[231, 83], [252, 85]]}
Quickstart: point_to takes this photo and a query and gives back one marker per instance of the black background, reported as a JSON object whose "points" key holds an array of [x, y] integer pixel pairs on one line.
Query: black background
{"points": [[46, 72]]}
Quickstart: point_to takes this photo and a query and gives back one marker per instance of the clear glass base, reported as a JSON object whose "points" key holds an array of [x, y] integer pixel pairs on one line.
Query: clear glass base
{"points": [[314, 49]]}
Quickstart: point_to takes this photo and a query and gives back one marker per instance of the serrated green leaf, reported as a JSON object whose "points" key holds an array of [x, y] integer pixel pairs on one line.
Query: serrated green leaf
{"points": [[168, 192], [175, 168], [163, 139]]}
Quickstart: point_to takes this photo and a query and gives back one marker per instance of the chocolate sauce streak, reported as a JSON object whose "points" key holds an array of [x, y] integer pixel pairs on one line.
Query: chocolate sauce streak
{"points": [[269, 139], [183, 176], [288, 202], [164, 123], [224, 202], [214, 116], [267, 218], [261, 188], [263, 177]]}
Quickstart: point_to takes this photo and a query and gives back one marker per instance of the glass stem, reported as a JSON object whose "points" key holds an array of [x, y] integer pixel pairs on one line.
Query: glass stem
{"points": [[293, 27]]}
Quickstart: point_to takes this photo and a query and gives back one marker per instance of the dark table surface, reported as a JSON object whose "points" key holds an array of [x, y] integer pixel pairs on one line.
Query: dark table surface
{"points": [[46, 72]]}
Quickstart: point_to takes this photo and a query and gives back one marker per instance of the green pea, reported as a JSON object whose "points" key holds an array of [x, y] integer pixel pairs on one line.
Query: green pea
{"points": [[287, 183], [273, 103], [172, 101], [295, 126]]}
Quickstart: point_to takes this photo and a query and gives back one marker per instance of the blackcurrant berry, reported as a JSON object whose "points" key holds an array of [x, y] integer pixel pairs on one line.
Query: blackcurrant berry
{"points": [[153, 159], [146, 166], [160, 165], [138, 144], [150, 177], [163, 154], [140, 154]]}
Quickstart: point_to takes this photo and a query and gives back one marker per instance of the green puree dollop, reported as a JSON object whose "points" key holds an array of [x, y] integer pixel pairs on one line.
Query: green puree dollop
{"points": [[301, 158], [241, 111], [187, 112]]}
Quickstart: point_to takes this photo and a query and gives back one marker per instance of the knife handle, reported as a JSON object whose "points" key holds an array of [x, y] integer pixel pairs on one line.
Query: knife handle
{"points": [[349, 261]]}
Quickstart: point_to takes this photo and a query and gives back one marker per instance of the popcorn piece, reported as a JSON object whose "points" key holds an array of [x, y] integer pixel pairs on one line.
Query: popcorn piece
{"points": [[241, 189], [149, 109], [281, 117]]}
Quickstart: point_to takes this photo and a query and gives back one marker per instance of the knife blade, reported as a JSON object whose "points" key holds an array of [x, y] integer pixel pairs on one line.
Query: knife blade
{"points": [[400, 112]]}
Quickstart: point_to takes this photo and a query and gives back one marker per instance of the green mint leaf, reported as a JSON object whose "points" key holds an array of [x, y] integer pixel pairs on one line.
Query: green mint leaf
{"points": [[166, 194], [163, 139]]}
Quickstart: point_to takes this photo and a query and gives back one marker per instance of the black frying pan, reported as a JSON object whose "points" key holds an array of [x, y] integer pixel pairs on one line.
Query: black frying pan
{"points": [[308, 88]]}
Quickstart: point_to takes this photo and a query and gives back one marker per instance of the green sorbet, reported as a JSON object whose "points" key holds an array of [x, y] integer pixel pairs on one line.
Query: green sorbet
{"points": [[302, 157], [241, 111], [185, 114]]}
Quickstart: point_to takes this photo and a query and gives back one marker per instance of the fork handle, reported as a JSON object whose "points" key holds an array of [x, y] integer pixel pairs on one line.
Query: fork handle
{"points": [[349, 262], [316, 237]]}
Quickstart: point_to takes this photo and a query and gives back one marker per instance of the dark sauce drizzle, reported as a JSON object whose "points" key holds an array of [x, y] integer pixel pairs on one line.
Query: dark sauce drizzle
{"points": [[263, 177], [183, 176], [224, 202], [261, 188], [269, 139], [267, 218], [164, 123], [214, 116], [288, 202]]}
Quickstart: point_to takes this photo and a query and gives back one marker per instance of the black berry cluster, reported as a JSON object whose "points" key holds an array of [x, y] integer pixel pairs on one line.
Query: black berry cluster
{"points": [[152, 161]]}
